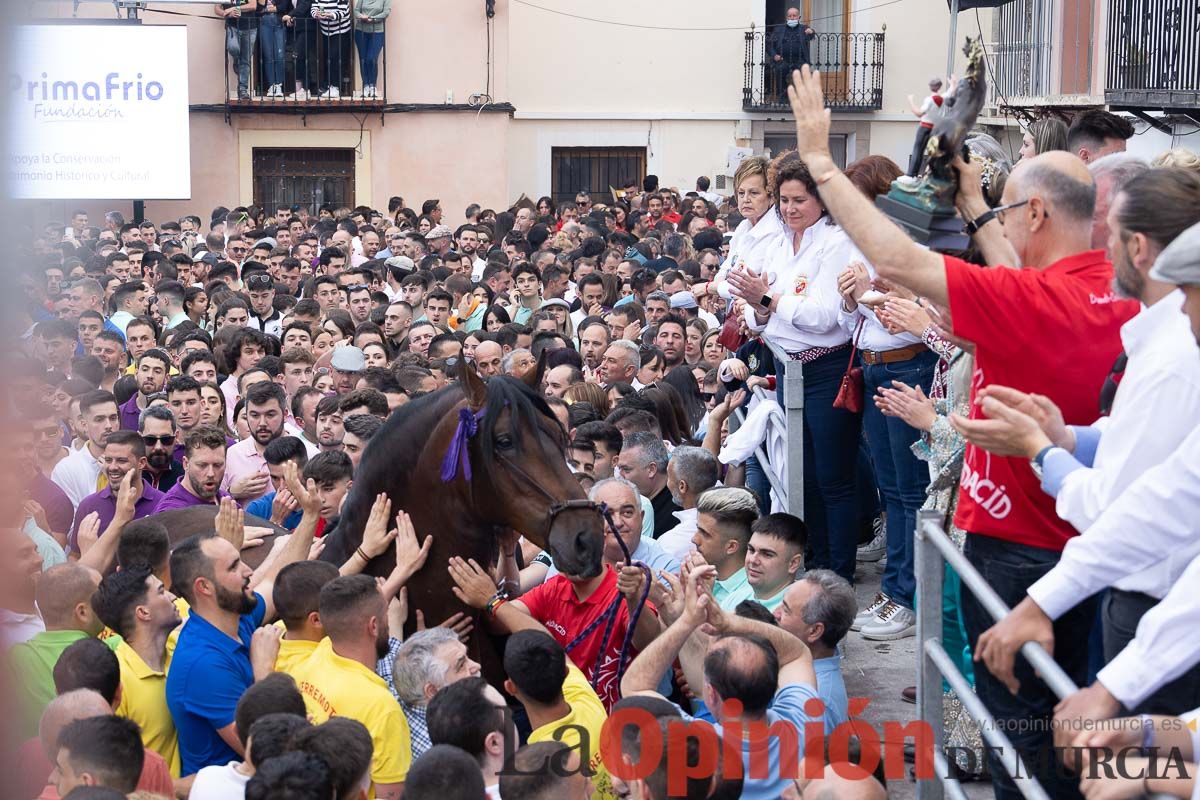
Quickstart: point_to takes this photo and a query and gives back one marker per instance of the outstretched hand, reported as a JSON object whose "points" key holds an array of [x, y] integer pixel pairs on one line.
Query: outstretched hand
{"points": [[812, 117]]}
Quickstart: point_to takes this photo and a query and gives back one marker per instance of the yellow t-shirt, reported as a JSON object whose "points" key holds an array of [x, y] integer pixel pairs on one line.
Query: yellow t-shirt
{"points": [[587, 712], [144, 700], [292, 653], [334, 686]]}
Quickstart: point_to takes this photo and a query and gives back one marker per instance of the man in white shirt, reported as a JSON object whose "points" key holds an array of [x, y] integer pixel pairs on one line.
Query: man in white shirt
{"points": [[78, 474], [691, 472], [1141, 539]]}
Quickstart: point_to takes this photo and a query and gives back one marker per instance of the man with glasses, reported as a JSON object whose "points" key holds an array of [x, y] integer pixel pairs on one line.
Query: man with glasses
{"points": [[236, 249], [157, 428], [263, 314]]}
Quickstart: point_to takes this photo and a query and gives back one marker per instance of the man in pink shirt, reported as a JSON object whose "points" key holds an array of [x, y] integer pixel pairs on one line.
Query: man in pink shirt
{"points": [[246, 474]]}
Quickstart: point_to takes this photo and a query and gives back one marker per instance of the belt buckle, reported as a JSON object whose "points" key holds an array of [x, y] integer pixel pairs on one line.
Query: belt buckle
{"points": [[869, 357]]}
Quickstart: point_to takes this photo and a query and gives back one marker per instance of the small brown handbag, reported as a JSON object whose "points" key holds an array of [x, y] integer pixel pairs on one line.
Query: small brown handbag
{"points": [[850, 393]]}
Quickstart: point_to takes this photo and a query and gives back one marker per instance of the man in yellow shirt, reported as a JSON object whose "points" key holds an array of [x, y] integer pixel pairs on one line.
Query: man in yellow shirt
{"points": [[297, 590], [339, 678], [136, 604], [558, 699]]}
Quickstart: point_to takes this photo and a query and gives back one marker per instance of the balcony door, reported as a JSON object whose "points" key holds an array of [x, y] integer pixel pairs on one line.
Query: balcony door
{"points": [[827, 52]]}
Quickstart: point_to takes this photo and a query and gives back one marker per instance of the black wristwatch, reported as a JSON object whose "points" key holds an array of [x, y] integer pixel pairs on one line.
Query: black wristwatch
{"points": [[974, 225], [764, 302]]}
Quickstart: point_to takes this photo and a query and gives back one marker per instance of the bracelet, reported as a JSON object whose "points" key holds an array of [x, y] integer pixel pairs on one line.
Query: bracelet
{"points": [[1147, 731], [498, 599], [358, 551]]}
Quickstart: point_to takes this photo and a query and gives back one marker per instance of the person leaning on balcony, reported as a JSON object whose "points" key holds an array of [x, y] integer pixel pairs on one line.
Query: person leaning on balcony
{"points": [[369, 17], [787, 49], [333, 18], [241, 29]]}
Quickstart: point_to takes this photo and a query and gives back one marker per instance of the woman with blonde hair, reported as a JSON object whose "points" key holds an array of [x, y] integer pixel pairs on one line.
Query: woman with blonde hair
{"points": [[760, 225], [592, 393], [1178, 158]]}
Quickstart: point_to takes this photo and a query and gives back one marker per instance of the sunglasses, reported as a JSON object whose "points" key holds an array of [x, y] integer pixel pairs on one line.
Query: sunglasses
{"points": [[444, 364], [259, 278], [166, 441]]}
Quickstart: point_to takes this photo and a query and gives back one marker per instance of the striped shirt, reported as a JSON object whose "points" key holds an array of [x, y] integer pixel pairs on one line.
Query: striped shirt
{"points": [[334, 25]]}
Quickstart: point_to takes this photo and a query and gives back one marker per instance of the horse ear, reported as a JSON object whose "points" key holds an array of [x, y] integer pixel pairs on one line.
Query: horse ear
{"points": [[473, 385], [533, 377]]}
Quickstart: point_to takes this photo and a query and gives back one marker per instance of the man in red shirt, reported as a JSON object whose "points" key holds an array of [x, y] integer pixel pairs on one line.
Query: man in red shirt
{"points": [[1051, 327], [568, 605]]}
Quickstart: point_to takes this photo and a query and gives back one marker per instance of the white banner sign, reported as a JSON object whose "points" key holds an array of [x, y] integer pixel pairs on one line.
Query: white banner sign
{"points": [[99, 112]]}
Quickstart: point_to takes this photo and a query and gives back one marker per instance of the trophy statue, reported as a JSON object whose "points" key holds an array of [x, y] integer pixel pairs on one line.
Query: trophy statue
{"points": [[923, 203]]}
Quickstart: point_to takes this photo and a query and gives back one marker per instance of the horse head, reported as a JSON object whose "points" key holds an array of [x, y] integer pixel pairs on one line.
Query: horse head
{"points": [[468, 463], [521, 472]]}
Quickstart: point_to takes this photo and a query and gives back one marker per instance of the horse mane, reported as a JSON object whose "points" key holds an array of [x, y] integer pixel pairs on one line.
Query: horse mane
{"points": [[524, 406]]}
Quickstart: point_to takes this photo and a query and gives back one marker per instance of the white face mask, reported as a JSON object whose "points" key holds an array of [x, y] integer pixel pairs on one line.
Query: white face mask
{"points": [[792, 23]]}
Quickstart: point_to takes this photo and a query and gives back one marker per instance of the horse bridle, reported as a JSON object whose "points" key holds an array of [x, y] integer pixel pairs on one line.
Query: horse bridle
{"points": [[458, 458], [609, 617]]}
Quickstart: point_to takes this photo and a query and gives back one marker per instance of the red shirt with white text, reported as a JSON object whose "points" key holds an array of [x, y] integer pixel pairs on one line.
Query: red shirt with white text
{"points": [[1052, 331]]}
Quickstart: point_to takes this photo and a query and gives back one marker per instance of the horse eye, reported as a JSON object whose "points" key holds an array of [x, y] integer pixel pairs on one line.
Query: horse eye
{"points": [[504, 441]]}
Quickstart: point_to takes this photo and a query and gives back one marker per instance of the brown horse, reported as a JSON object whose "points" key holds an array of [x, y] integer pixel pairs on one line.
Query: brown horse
{"points": [[468, 487], [184, 522]]}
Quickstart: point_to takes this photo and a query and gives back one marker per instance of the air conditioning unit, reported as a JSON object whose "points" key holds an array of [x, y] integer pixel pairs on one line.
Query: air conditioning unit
{"points": [[734, 157]]}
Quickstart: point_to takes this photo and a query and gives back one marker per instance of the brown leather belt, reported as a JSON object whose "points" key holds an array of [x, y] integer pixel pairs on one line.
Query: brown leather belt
{"points": [[874, 357]]}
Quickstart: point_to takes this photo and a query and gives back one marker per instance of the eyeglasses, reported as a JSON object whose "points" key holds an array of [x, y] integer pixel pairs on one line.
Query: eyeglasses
{"points": [[356, 287], [239, 251], [999, 210], [166, 440], [259, 278], [707, 396]]}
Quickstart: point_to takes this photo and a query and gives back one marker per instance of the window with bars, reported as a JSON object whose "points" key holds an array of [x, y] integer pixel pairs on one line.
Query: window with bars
{"points": [[307, 177], [594, 170]]}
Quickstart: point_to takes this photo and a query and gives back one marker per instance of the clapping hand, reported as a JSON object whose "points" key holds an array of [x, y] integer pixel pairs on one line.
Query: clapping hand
{"points": [[899, 314], [907, 403]]}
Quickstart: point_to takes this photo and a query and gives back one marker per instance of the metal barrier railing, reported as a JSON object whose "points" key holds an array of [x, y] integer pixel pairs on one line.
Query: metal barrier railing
{"points": [[933, 550], [791, 375]]}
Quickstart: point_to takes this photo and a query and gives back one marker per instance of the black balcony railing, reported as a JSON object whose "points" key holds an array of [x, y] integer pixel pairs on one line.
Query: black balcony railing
{"points": [[851, 66], [315, 70], [1153, 58]]}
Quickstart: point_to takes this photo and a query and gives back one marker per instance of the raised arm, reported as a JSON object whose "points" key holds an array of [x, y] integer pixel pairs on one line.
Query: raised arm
{"points": [[889, 249], [301, 540]]}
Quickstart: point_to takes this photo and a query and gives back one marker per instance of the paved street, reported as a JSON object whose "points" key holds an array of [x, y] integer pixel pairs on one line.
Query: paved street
{"points": [[880, 670]]}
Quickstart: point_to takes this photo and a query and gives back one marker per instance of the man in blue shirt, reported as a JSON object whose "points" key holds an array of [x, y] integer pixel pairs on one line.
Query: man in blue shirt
{"points": [[818, 609], [277, 454], [768, 670], [215, 660]]}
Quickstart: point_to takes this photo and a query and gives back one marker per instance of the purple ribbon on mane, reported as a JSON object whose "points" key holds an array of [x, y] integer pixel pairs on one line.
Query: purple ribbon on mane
{"points": [[459, 453]]}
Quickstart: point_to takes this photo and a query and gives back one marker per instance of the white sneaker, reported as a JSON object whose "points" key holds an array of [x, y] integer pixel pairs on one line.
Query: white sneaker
{"points": [[869, 613], [368, 92], [332, 93], [276, 90], [874, 549], [893, 621]]}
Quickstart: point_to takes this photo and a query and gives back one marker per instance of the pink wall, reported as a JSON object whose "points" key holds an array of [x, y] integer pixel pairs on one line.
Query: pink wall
{"points": [[459, 157]]}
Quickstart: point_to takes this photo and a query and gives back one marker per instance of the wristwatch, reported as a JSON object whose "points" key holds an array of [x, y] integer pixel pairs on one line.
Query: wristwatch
{"points": [[1036, 462], [973, 226], [764, 302]]}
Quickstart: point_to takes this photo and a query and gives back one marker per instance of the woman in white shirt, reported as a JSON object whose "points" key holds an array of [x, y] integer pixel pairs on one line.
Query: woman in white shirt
{"points": [[793, 301], [759, 228]]}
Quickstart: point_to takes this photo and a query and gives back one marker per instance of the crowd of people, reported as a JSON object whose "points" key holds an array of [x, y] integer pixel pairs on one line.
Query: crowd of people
{"points": [[243, 365]]}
